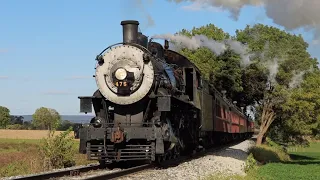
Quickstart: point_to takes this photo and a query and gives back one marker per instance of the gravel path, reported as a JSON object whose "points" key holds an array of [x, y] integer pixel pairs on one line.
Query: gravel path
{"points": [[227, 161]]}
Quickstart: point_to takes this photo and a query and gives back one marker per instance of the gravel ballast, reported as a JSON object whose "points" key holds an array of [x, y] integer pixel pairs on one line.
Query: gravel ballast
{"points": [[229, 161]]}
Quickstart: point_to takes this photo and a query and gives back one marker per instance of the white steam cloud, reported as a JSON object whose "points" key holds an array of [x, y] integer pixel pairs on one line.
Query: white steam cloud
{"points": [[291, 14], [297, 78], [217, 47], [273, 67]]}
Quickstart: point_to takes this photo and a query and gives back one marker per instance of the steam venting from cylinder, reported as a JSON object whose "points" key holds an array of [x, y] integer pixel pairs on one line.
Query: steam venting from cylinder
{"points": [[130, 31]]}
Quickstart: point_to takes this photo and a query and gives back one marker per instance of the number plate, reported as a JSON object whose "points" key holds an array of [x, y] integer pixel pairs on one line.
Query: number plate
{"points": [[121, 84]]}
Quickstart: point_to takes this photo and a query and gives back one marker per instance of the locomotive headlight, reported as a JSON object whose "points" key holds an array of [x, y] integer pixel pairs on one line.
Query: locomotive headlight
{"points": [[96, 122], [120, 74]]}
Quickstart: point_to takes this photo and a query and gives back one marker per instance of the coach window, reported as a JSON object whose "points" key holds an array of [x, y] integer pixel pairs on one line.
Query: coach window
{"points": [[198, 80], [218, 109]]}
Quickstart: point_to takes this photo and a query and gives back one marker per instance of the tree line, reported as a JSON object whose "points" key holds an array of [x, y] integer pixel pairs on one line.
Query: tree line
{"points": [[42, 119]]}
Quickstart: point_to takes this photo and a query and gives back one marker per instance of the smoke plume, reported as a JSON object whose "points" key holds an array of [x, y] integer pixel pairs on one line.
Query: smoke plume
{"points": [[138, 7], [273, 67], [217, 47], [194, 42], [297, 78], [291, 14]]}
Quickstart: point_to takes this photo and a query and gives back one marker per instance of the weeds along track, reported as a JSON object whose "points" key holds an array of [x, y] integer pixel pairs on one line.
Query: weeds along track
{"points": [[93, 172]]}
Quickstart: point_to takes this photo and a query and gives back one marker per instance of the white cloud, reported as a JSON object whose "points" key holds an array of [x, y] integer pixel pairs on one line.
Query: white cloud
{"points": [[290, 14], [4, 77], [196, 6]]}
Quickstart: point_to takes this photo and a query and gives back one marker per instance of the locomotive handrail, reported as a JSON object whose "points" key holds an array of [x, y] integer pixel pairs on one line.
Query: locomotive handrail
{"points": [[133, 44]]}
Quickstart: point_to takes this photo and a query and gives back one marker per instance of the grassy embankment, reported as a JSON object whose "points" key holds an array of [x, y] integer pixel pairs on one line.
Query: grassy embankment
{"points": [[19, 152], [296, 163]]}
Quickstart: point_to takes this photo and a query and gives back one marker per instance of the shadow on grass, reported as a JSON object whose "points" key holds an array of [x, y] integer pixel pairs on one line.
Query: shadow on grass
{"points": [[300, 157], [303, 162]]}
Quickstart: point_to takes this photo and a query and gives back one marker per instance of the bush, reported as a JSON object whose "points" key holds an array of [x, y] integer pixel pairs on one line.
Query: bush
{"points": [[15, 126], [317, 137], [57, 151], [250, 164], [265, 154]]}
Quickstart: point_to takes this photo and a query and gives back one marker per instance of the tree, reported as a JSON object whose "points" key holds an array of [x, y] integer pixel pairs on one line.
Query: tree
{"points": [[301, 112], [16, 120], [65, 125], [4, 117], [281, 56], [46, 118]]}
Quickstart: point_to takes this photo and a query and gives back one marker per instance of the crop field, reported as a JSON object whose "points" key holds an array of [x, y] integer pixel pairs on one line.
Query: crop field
{"points": [[25, 134], [19, 152]]}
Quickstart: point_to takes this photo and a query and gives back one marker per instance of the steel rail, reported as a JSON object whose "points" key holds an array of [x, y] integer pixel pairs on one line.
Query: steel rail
{"points": [[121, 173], [56, 174]]}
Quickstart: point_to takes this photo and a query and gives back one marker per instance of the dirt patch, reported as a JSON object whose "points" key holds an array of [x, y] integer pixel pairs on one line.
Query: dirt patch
{"points": [[26, 134]]}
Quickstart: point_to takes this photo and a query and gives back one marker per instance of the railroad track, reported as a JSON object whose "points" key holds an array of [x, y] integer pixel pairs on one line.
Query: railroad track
{"points": [[123, 172], [163, 165], [56, 174]]}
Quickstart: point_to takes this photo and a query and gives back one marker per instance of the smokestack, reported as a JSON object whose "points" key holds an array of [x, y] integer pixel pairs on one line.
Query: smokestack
{"points": [[166, 44], [130, 31]]}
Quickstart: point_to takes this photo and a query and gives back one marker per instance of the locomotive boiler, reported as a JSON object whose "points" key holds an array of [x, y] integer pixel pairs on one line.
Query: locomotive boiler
{"points": [[152, 104]]}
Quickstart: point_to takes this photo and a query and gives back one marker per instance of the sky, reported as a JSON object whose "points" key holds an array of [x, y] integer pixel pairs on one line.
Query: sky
{"points": [[48, 48]]}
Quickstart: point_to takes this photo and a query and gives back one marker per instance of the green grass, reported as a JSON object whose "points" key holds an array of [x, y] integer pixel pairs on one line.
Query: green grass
{"points": [[20, 157], [304, 164]]}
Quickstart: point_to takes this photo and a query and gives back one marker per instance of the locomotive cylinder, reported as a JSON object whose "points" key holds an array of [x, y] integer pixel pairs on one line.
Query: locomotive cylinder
{"points": [[130, 31]]}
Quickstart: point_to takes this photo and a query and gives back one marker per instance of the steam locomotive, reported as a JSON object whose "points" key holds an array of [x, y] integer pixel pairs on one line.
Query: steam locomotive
{"points": [[153, 104]]}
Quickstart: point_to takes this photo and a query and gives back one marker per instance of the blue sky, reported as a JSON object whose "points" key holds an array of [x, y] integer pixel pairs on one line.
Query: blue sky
{"points": [[47, 48]]}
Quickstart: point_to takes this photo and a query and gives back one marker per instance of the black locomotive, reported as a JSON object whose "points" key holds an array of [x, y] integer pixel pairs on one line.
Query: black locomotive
{"points": [[152, 104]]}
